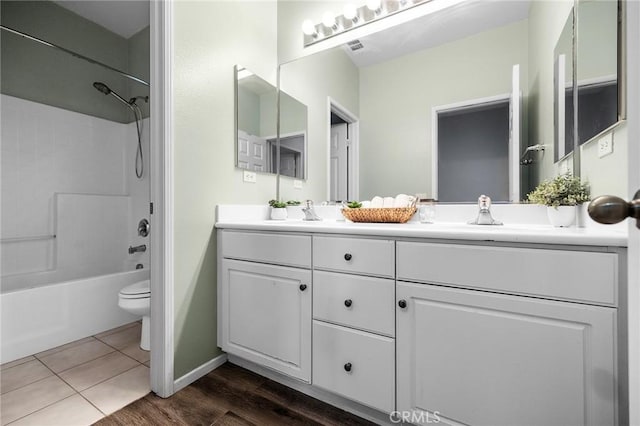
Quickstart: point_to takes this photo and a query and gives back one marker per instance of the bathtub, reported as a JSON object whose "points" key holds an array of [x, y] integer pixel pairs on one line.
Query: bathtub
{"points": [[37, 316]]}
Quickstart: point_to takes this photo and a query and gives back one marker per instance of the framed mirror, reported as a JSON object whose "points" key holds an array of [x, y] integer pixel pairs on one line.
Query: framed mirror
{"points": [[257, 140]]}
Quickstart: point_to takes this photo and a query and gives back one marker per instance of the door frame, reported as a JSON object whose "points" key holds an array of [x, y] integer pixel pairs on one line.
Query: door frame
{"points": [[161, 191], [633, 253], [354, 153], [457, 106]]}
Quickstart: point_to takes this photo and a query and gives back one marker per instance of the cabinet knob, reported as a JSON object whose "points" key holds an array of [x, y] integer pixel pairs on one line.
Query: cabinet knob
{"points": [[402, 303], [303, 287], [347, 256], [348, 303], [347, 367]]}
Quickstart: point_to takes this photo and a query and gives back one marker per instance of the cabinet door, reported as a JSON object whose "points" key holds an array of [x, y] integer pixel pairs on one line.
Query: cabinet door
{"points": [[267, 316], [487, 359]]}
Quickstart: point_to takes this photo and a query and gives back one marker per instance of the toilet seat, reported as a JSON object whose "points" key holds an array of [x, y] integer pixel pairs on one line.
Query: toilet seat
{"points": [[139, 290]]}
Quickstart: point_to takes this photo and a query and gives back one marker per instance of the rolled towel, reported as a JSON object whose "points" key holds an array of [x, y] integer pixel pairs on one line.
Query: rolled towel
{"points": [[377, 202], [388, 202], [366, 204], [402, 200]]}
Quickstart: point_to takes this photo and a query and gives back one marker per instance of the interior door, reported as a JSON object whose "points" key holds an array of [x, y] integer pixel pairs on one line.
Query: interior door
{"points": [[339, 162], [515, 116], [252, 152]]}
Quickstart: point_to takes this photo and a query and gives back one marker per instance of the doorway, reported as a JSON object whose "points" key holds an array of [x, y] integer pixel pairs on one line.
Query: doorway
{"points": [[343, 154]]}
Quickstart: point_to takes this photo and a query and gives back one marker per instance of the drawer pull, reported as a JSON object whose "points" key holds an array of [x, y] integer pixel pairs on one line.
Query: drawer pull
{"points": [[347, 256], [303, 287], [348, 303], [402, 303], [347, 367]]}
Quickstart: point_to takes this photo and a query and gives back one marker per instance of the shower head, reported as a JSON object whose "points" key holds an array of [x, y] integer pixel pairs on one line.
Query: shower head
{"points": [[103, 88]]}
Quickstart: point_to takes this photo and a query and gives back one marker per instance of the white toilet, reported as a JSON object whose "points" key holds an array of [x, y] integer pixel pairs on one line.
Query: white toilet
{"points": [[135, 298]]}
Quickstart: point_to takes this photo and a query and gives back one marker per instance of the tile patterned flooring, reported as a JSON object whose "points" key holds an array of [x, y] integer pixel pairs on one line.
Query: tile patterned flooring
{"points": [[77, 383]]}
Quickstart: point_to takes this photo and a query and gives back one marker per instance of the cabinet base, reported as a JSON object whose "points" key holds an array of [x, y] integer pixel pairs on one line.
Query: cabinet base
{"points": [[322, 395]]}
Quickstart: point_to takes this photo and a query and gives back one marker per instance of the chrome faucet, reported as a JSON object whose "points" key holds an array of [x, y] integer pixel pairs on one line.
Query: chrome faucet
{"points": [[141, 248], [309, 212], [484, 214]]}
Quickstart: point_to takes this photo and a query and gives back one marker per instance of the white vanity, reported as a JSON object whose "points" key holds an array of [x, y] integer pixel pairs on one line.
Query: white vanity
{"points": [[473, 325]]}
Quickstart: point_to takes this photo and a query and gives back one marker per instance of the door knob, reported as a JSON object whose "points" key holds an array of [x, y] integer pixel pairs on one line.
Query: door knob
{"points": [[303, 287], [608, 209]]}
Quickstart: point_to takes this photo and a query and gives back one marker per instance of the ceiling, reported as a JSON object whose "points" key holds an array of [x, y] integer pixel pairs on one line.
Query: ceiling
{"points": [[431, 30], [123, 17]]}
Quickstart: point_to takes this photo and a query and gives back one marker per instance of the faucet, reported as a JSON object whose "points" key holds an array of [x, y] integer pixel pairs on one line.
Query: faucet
{"points": [[309, 212], [141, 248], [484, 215]]}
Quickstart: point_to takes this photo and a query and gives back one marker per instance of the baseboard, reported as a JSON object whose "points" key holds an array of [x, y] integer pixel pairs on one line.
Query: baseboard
{"points": [[353, 407], [196, 373]]}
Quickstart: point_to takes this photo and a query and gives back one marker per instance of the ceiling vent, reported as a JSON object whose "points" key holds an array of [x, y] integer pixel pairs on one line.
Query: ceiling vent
{"points": [[355, 45]]}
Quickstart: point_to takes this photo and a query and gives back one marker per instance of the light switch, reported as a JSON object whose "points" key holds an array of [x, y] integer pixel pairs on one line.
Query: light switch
{"points": [[605, 145], [249, 176], [297, 184]]}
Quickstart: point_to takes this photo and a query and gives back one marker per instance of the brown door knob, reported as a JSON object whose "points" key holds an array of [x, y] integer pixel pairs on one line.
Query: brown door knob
{"points": [[608, 209]]}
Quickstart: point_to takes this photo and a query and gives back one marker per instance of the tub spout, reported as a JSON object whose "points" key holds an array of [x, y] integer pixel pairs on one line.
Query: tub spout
{"points": [[141, 248]]}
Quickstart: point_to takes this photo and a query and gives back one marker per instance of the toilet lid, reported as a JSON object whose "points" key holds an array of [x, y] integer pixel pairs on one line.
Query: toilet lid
{"points": [[137, 289]]}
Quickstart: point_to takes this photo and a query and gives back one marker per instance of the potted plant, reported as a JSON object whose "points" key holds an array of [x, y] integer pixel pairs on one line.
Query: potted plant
{"points": [[561, 195], [278, 210]]}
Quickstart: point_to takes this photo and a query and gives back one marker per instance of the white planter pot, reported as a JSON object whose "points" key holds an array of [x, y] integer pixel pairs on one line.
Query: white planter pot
{"points": [[562, 216], [278, 214]]}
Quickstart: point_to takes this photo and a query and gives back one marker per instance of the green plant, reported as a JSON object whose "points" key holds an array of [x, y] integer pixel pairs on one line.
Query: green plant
{"points": [[293, 203], [354, 205], [277, 204], [563, 190]]}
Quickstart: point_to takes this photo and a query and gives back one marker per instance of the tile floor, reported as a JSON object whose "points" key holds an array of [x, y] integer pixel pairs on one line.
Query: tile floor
{"points": [[77, 383]]}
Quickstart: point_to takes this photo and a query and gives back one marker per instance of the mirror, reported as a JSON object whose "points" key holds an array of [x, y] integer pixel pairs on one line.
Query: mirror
{"points": [[256, 128], [563, 100], [597, 67], [393, 85]]}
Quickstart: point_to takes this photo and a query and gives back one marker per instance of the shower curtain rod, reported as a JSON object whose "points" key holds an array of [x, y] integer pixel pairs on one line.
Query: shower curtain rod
{"points": [[72, 53]]}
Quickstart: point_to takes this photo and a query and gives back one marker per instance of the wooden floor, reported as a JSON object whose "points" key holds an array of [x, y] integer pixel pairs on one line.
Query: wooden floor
{"points": [[232, 396]]}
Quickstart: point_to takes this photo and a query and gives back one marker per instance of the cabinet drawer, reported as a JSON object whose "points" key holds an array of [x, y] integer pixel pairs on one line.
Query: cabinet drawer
{"points": [[368, 357], [561, 274], [355, 255], [281, 249], [361, 302]]}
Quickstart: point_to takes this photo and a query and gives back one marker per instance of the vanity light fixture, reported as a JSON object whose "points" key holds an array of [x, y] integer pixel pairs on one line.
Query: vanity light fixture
{"points": [[353, 17], [329, 21]]}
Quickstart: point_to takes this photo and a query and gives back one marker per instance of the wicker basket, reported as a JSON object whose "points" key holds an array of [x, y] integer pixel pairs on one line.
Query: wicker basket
{"points": [[380, 215]]}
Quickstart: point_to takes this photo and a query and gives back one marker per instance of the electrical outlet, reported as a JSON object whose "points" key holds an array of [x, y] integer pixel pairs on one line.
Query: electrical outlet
{"points": [[297, 184], [248, 176], [605, 145]]}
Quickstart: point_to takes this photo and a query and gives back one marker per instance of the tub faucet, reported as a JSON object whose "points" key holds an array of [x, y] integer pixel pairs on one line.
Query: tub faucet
{"points": [[141, 248], [309, 212], [484, 214]]}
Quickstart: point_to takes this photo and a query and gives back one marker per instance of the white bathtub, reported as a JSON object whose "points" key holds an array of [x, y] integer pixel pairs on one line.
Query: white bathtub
{"points": [[41, 317]]}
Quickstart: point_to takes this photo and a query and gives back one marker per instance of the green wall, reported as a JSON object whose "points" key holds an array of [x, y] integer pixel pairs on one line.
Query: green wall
{"points": [[41, 74], [208, 42]]}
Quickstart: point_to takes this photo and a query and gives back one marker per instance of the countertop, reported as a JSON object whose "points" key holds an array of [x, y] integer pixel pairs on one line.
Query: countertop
{"points": [[230, 218]]}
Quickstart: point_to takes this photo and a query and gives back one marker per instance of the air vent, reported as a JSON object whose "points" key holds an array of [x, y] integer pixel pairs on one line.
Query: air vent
{"points": [[355, 45]]}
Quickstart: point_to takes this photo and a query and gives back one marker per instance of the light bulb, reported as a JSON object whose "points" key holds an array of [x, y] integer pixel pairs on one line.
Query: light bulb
{"points": [[328, 20], [308, 28], [350, 12], [374, 5]]}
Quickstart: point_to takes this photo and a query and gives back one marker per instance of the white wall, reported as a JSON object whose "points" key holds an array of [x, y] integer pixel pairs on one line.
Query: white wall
{"points": [[210, 38], [72, 175]]}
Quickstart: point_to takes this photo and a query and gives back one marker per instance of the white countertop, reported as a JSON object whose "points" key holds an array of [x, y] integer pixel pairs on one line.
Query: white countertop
{"points": [[253, 218]]}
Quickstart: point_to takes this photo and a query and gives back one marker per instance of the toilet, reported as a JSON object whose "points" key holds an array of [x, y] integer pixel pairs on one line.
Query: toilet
{"points": [[135, 299]]}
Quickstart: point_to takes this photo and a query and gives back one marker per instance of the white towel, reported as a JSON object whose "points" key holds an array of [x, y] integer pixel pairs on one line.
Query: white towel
{"points": [[388, 202], [377, 202]]}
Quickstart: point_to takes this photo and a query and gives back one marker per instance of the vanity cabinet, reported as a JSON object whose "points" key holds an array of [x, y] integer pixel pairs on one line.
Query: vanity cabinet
{"points": [[266, 308], [354, 319], [489, 358]]}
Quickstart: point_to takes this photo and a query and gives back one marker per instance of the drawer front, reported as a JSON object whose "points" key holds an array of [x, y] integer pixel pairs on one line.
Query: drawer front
{"points": [[281, 249], [356, 255], [365, 303], [368, 357], [557, 274]]}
